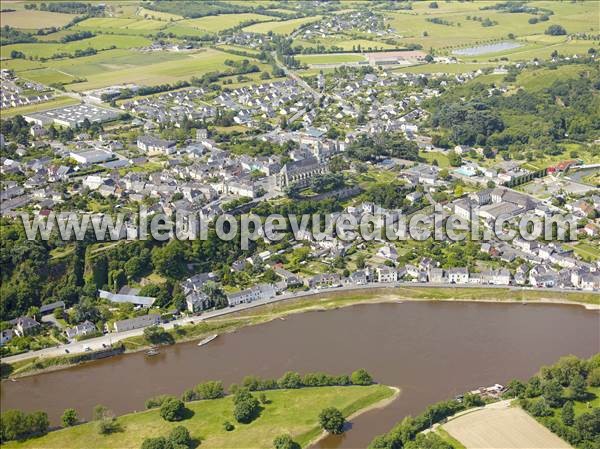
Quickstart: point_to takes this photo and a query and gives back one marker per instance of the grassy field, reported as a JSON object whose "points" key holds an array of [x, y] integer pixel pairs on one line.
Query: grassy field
{"points": [[330, 58], [575, 17], [158, 15], [281, 27], [214, 24], [346, 44], [128, 66], [289, 411], [38, 107], [506, 427], [31, 20], [100, 42], [116, 23], [430, 156], [589, 251]]}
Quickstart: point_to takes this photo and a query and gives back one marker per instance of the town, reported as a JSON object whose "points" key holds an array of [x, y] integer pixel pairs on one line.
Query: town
{"points": [[290, 109]]}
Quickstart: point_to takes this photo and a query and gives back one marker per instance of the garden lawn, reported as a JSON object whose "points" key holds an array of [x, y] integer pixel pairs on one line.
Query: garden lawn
{"points": [[289, 411]]}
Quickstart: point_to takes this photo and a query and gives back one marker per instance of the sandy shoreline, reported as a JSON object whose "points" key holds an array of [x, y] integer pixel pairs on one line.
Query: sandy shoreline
{"points": [[378, 405]]}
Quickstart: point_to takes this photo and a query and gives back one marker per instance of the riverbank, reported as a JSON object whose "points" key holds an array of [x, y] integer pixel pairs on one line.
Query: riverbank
{"points": [[231, 320], [376, 406], [287, 411]]}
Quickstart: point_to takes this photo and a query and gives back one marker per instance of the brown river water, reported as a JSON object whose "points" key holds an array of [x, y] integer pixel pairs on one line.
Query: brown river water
{"points": [[432, 351]]}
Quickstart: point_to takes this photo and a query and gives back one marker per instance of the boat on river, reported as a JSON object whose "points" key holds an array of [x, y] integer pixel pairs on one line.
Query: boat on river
{"points": [[152, 351], [207, 340]]}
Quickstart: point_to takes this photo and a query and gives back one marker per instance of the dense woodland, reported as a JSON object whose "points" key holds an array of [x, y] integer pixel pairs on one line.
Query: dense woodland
{"points": [[526, 119]]}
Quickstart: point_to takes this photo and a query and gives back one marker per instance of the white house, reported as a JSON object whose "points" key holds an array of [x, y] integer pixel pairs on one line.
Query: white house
{"points": [[458, 275]]}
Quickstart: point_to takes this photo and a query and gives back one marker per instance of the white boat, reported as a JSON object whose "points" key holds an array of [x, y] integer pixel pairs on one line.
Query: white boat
{"points": [[152, 351], [207, 340]]}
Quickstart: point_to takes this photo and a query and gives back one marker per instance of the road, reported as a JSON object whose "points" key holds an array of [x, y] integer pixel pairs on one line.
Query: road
{"points": [[289, 73], [113, 337]]}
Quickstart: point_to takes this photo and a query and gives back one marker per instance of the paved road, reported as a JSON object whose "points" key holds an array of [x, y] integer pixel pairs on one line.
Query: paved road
{"points": [[107, 339], [294, 76]]}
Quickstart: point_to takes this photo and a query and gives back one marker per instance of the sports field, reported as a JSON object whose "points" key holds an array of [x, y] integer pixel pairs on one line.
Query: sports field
{"points": [[499, 426], [281, 27]]}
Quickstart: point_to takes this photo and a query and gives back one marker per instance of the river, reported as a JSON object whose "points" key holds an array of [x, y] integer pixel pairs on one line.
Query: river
{"points": [[431, 350]]}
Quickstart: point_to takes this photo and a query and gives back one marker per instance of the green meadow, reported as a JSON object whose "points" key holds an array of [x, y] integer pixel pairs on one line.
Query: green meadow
{"points": [[294, 412], [100, 42]]}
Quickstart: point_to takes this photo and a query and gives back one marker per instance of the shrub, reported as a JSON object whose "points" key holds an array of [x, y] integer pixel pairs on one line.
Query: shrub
{"points": [[155, 443], [556, 30], [69, 417], [290, 380], [157, 401], [228, 426], [285, 442], [210, 390]]}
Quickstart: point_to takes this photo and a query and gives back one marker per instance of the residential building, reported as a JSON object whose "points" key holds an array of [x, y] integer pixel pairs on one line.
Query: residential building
{"points": [[458, 275], [137, 322], [81, 330], [386, 274], [256, 293]]}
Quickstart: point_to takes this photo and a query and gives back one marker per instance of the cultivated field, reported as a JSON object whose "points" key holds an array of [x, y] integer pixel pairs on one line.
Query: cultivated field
{"points": [[281, 27], [32, 20], [500, 426], [100, 42], [221, 22], [346, 44], [330, 58]]}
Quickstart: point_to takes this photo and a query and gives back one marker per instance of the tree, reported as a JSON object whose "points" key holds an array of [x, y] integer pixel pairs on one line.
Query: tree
{"points": [[246, 407], [332, 420], [180, 438], [210, 390], [454, 159], [433, 5], [290, 380], [172, 410], [552, 393], [69, 417], [577, 387], [361, 377], [568, 414], [556, 30], [16, 425], [156, 335], [588, 425], [285, 442], [594, 377]]}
